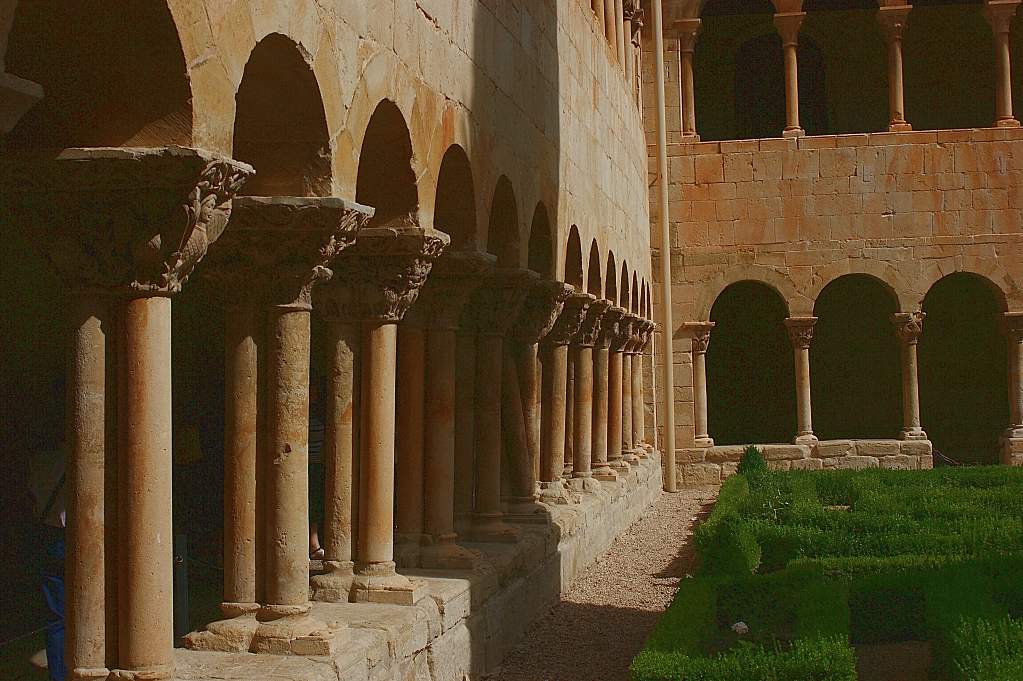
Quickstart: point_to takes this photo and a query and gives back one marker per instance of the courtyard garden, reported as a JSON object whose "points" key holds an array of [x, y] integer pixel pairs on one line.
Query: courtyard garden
{"points": [[845, 575]]}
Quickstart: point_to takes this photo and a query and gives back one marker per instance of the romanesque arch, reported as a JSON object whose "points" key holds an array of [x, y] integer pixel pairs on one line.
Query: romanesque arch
{"points": [[386, 180], [750, 372], [594, 284], [635, 295], [280, 127], [574, 259], [795, 302], [503, 230], [854, 360], [625, 295], [112, 75], [963, 377], [541, 244], [455, 205], [611, 279]]}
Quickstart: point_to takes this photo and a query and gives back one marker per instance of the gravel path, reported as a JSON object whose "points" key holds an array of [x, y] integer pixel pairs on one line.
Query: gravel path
{"points": [[599, 626]]}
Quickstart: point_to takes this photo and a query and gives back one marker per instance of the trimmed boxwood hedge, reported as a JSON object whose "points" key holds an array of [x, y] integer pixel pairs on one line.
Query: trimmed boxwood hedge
{"points": [[812, 561]]}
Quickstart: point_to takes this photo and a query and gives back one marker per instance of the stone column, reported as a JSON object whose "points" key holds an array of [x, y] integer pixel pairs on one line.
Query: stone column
{"points": [[688, 30], [1012, 452], [454, 277], [629, 10], [598, 10], [553, 409], [569, 463], [601, 360], [627, 442], [410, 435], [130, 223], [382, 275], [908, 326], [544, 303], [465, 421], [788, 25], [637, 39], [639, 419], [610, 25], [635, 350], [585, 339], [618, 458], [801, 334], [85, 615], [999, 14], [620, 39], [893, 22], [499, 303], [700, 332]]}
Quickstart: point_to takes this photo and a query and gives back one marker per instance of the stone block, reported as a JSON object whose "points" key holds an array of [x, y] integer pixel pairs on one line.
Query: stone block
{"points": [[780, 465], [692, 455], [855, 463], [807, 465], [722, 454], [926, 462], [697, 474], [785, 452], [877, 448], [728, 469], [915, 447], [900, 462]]}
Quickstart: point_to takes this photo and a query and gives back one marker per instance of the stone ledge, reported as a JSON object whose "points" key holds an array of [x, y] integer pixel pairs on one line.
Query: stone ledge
{"points": [[472, 618]]}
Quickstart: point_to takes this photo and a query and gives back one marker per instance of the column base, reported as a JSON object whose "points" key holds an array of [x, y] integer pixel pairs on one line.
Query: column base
{"points": [[463, 522], [88, 674], [1007, 123], [529, 512], [703, 442], [162, 672], [379, 583], [793, 132], [913, 434], [605, 473], [690, 138], [554, 493], [641, 452], [806, 439], [900, 127], [447, 555], [334, 585], [233, 635], [629, 457], [407, 548], [491, 528], [291, 630], [1012, 451], [585, 485]]}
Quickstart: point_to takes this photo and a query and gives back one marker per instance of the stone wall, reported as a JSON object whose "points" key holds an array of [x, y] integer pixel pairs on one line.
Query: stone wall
{"points": [[700, 466], [470, 620], [906, 208]]}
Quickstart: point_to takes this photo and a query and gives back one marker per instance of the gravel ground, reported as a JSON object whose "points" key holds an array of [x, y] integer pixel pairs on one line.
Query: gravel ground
{"points": [[596, 629]]}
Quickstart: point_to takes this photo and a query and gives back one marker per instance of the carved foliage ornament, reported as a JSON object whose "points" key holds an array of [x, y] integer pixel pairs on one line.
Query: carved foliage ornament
{"points": [[621, 339], [908, 326], [499, 301], [571, 318], [801, 331], [589, 330], [543, 305], [126, 221], [609, 327]]}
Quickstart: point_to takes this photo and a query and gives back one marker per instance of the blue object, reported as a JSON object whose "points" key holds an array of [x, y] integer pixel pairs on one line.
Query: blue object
{"points": [[53, 593]]}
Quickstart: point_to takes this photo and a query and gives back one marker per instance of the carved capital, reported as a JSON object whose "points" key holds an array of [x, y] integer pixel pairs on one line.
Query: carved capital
{"points": [[801, 331], [277, 248], [623, 331], [498, 302], [893, 19], [1012, 322], [687, 30], [700, 333], [127, 221], [573, 313], [908, 326], [999, 14], [454, 278], [788, 25], [544, 303], [609, 327], [589, 330], [380, 277], [647, 333]]}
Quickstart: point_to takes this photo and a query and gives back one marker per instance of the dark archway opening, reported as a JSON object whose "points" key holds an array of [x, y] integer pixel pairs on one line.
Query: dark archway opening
{"points": [[503, 231], [541, 245], [113, 75], [625, 296], [854, 358], [611, 280], [574, 259], [280, 127], [455, 208], [760, 88], [963, 369], [386, 180], [750, 374], [593, 282]]}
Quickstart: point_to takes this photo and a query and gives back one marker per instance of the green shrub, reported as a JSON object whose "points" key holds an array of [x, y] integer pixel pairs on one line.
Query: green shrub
{"points": [[753, 465], [732, 550], [988, 650], [688, 625]]}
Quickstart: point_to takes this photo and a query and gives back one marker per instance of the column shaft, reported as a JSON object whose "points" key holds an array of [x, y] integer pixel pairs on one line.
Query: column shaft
{"points": [[893, 23], [487, 520], [465, 429], [340, 445], [410, 431], [1014, 323], [553, 411], [517, 468], [569, 462], [601, 469], [583, 420], [688, 31], [700, 393], [801, 334], [85, 569], [529, 384], [1000, 14], [614, 412], [610, 31], [788, 25], [240, 406], [638, 425], [598, 9], [439, 473], [629, 55], [620, 32], [627, 444], [146, 622], [287, 579]]}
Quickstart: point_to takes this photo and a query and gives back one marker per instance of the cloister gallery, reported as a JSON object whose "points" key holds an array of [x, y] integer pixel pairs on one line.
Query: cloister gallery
{"points": [[524, 282]]}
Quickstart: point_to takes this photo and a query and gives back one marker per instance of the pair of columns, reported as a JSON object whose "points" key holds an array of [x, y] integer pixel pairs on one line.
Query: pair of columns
{"points": [[123, 229], [1013, 325], [908, 326], [999, 13], [611, 16]]}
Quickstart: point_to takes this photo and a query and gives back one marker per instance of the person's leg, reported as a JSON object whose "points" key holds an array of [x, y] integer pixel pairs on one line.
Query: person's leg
{"points": [[53, 592]]}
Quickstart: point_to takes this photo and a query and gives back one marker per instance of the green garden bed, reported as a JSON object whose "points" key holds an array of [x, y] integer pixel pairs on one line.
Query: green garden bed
{"points": [[813, 563]]}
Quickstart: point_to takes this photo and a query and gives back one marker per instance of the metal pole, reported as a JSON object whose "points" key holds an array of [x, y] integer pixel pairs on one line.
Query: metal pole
{"points": [[667, 329]]}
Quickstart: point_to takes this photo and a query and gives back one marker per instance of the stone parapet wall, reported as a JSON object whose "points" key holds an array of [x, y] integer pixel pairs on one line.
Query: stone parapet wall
{"points": [[470, 620], [713, 465]]}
